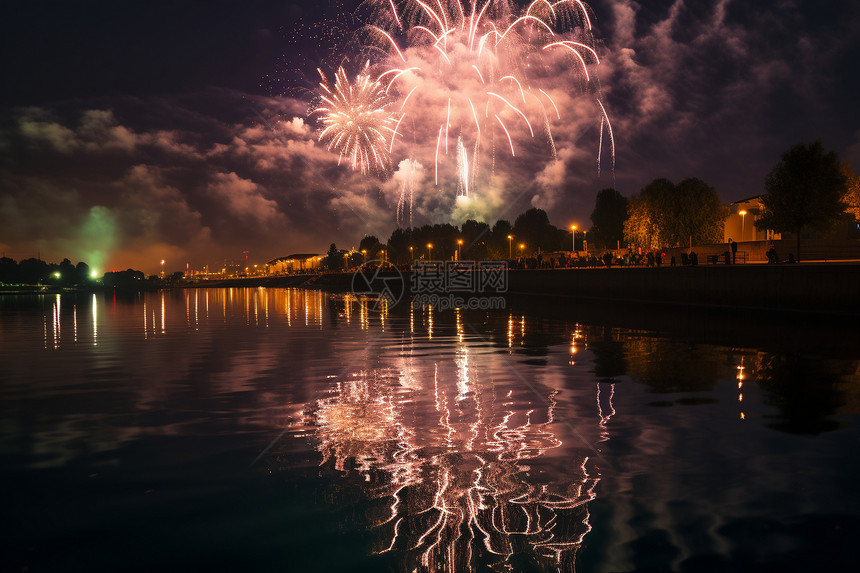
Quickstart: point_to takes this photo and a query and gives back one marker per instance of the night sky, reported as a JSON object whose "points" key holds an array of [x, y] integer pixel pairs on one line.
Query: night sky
{"points": [[132, 132]]}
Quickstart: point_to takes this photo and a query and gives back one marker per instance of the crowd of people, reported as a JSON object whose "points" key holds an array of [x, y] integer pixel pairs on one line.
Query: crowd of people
{"points": [[633, 258], [630, 258]]}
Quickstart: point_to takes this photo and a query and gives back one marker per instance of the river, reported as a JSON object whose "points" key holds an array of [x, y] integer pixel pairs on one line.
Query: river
{"points": [[295, 430]]}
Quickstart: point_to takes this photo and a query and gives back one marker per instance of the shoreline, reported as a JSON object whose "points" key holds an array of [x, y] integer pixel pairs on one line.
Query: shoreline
{"points": [[818, 289], [806, 289]]}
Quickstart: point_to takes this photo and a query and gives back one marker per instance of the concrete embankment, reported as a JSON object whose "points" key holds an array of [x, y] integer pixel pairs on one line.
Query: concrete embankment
{"points": [[830, 289], [824, 288]]}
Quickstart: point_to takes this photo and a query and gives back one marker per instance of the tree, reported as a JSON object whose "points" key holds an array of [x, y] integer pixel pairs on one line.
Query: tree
{"points": [[398, 246], [696, 217], [333, 260], [82, 273], [610, 212], [640, 228], [500, 245], [8, 270], [665, 214], [533, 228], [647, 211], [32, 271], [852, 193], [804, 190], [370, 244]]}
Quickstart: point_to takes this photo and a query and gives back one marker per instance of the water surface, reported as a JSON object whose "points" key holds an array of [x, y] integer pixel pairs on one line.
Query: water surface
{"points": [[291, 430]]}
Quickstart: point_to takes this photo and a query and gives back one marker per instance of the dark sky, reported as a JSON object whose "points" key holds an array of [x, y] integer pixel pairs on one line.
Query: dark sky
{"points": [[136, 131]]}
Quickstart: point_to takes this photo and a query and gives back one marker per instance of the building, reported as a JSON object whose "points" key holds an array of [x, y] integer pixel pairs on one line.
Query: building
{"points": [[740, 224], [295, 263]]}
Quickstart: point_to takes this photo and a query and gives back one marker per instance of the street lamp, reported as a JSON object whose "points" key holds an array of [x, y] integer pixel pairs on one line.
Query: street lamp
{"points": [[522, 246], [429, 251], [743, 215], [510, 254], [383, 257], [573, 235], [412, 254], [364, 252], [459, 244], [162, 268]]}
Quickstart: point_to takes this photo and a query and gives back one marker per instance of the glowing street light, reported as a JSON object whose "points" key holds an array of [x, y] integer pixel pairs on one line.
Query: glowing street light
{"points": [[459, 244], [429, 251], [162, 268], [412, 254], [522, 246], [743, 215], [510, 239], [573, 234], [364, 252]]}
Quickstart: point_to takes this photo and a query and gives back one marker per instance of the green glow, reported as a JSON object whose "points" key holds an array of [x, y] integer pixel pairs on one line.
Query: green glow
{"points": [[98, 237]]}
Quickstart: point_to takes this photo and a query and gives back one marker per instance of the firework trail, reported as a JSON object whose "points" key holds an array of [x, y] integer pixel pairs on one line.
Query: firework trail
{"points": [[462, 74], [407, 192]]}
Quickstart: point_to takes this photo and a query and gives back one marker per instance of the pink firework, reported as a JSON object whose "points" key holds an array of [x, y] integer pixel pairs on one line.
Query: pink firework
{"points": [[455, 81], [356, 122]]}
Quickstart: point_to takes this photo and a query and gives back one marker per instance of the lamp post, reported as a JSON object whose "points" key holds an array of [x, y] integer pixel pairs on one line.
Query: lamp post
{"points": [[364, 253], [429, 251], [522, 246], [743, 215], [162, 268], [510, 246], [459, 244], [573, 237], [383, 258], [412, 254]]}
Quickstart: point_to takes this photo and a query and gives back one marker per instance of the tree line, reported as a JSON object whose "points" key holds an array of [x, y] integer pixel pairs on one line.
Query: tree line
{"points": [[808, 188], [530, 233], [36, 271]]}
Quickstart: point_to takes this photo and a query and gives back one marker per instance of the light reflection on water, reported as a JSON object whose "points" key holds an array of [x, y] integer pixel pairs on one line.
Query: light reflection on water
{"points": [[468, 439]]}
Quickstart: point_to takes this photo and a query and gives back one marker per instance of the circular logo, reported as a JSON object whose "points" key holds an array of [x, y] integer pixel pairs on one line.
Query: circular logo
{"points": [[380, 283]]}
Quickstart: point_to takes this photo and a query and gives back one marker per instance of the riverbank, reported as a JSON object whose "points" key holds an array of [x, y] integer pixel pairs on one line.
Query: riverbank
{"points": [[832, 289]]}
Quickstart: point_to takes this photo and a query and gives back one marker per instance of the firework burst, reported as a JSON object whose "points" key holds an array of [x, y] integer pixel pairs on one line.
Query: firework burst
{"points": [[453, 82], [356, 122]]}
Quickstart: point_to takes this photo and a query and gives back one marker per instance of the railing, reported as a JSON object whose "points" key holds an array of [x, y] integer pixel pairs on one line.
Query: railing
{"points": [[726, 258]]}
